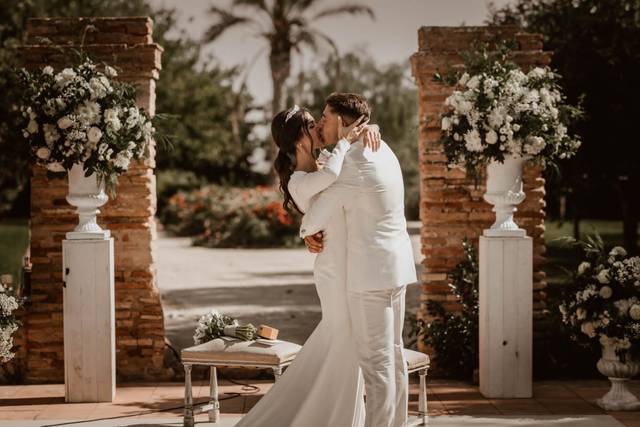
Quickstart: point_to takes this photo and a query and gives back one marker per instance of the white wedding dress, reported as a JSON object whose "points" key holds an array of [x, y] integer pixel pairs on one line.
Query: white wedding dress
{"points": [[323, 387]]}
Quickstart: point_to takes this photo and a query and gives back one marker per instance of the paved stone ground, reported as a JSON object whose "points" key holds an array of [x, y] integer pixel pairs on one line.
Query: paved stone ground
{"points": [[261, 286], [137, 404]]}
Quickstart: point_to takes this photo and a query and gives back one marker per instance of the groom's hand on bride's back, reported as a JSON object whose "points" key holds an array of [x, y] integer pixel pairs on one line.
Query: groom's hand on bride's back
{"points": [[314, 242]]}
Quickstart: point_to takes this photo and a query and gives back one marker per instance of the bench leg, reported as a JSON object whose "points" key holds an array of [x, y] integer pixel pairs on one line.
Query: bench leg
{"points": [[277, 371], [188, 399], [214, 413], [422, 403]]}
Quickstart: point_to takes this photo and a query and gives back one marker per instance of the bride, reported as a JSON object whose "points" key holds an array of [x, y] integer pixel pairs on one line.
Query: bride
{"points": [[323, 386]]}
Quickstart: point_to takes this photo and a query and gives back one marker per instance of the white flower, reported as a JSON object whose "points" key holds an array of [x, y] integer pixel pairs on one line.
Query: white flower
{"points": [[94, 134], [581, 313], [492, 137], [110, 71], [583, 267], [473, 141], [473, 82], [606, 292], [496, 117], [634, 312], [603, 276], [121, 161], [622, 306], [64, 77], [65, 122], [463, 79], [446, 123], [97, 89], [55, 167], [32, 127], [588, 329], [43, 153], [48, 70], [618, 251], [51, 134], [464, 107], [537, 72], [111, 119], [88, 113]]}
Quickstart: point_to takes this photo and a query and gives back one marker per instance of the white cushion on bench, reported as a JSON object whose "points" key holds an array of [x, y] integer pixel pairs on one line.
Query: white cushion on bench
{"points": [[237, 352], [415, 359]]}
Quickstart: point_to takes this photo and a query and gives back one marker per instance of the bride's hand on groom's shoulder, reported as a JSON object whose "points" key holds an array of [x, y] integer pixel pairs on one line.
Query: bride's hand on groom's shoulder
{"points": [[314, 242], [372, 137]]}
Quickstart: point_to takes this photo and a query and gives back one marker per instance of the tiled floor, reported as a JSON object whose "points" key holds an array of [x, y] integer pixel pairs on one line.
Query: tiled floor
{"points": [[164, 400]]}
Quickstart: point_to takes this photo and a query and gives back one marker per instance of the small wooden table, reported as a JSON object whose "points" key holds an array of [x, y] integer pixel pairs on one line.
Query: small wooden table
{"points": [[251, 354], [231, 353]]}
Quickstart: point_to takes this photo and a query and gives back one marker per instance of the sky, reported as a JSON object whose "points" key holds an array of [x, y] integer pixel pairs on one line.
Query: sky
{"points": [[391, 37]]}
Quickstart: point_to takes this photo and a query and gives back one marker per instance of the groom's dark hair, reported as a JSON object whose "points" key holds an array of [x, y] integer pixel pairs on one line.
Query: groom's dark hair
{"points": [[349, 105]]}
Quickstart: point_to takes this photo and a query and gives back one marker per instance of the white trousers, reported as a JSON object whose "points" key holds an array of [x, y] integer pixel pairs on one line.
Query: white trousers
{"points": [[377, 317]]}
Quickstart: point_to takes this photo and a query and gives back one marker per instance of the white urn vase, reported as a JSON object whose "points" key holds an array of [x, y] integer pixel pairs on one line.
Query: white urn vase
{"points": [[87, 195], [618, 398], [504, 192]]}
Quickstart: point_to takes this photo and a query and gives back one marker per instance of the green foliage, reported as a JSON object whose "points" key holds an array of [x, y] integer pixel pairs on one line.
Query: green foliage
{"points": [[454, 336], [596, 49], [206, 116], [232, 217], [392, 97]]}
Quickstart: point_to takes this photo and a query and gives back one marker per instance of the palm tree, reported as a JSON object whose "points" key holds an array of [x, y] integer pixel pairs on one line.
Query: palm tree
{"points": [[285, 25]]}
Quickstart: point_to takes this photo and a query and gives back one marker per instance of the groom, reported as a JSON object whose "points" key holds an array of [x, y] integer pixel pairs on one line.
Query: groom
{"points": [[370, 193]]}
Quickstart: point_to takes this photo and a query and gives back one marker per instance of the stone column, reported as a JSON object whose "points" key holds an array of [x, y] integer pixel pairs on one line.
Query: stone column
{"points": [[451, 207], [127, 44]]}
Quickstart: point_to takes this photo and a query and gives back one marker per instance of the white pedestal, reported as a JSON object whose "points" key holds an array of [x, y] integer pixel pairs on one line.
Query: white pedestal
{"points": [[89, 320], [506, 316]]}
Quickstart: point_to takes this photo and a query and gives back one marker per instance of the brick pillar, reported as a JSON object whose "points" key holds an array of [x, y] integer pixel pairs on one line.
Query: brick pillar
{"points": [[127, 44], [450, 205]]}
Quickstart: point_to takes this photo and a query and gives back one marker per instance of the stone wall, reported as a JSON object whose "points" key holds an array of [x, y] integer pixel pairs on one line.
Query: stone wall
{"points": [[450, 205], [127, 44]]}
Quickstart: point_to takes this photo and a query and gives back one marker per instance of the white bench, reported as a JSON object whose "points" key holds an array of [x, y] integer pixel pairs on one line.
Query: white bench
{"points": [[250, 354]]}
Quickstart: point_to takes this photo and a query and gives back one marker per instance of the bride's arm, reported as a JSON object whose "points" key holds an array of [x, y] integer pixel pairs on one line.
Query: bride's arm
{"points": [[323, 207], [310, 184]]}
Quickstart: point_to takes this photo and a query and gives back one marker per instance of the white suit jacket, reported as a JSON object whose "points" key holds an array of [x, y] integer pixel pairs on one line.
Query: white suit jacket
{"points": [[370, 191]]}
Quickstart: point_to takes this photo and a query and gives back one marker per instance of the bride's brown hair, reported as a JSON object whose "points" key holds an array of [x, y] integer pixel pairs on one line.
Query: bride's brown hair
{"points": [[286, 133]]}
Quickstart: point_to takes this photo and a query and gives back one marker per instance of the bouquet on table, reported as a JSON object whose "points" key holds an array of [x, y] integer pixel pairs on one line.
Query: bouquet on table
{"points": [[214, 325], [602, 301]]}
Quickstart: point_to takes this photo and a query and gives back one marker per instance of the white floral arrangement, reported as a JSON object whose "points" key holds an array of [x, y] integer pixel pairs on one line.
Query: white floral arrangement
{"points": [[81, 115], [8, 324], [213, 325], [602, 299], [498, 110]]}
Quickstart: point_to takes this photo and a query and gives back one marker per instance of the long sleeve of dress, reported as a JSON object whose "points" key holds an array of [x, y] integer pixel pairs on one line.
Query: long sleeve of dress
{"points": [[304, 186]]}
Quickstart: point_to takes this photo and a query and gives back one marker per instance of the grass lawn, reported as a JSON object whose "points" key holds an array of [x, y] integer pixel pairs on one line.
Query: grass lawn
{"points": [[14, 240]]}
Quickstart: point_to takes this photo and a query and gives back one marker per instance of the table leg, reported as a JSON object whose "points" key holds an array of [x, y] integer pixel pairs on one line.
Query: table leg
{"points": [[422, 404], [277, 371], [214, 412], [188, 398]]}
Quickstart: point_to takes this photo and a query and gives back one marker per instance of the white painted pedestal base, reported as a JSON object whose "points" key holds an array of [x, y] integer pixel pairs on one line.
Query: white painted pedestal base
{"points": [[89, 320], [506, 316]]}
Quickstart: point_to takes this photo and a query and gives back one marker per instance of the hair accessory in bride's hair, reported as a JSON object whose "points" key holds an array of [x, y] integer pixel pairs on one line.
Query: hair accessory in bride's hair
{"points": [[291, 112]]}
